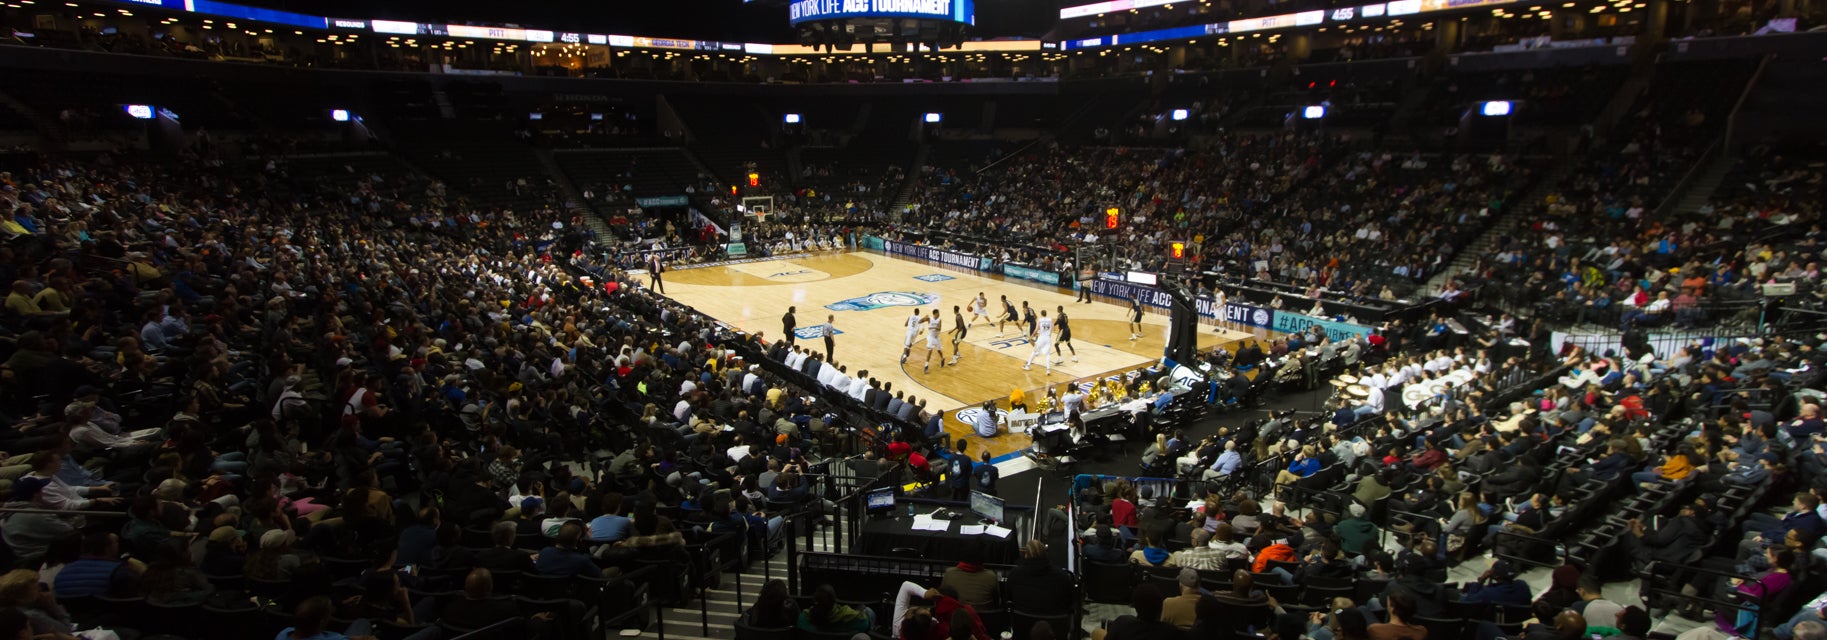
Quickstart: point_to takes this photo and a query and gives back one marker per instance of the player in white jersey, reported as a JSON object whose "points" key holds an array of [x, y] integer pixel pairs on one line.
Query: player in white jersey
{"points": [[980, 308], [913, 329], [1043, 342], [1218, 302], [934, 326]]}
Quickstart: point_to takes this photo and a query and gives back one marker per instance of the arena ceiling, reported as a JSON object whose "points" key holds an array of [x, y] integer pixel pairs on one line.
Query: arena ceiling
{"points": [[727, 20]]}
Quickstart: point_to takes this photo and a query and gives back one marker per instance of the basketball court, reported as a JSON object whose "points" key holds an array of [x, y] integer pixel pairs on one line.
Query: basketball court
{"points": [[870, 296]]}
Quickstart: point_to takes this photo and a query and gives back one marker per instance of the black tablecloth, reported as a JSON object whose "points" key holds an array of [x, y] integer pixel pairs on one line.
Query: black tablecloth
{"points": [[883, 537]]}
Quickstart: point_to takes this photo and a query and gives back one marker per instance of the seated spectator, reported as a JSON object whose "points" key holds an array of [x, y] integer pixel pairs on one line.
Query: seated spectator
{"points": [[1146, 624], [1036, 586], [610, 525], [275, 561], [171, 578], [563, 558], [976, 585], [826, 615], [1566, 625], [311, 621], [773, 609], [1202, 555], [21, 591], [1103, 546], [1401, 606], [1181, 610], [100, 571], [479, 607], [946, 619], [224, 554], [503, 556], [1498, 585]]}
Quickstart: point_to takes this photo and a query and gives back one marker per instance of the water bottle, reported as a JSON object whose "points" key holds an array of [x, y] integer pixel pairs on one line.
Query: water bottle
{"points": [[910, 510]]}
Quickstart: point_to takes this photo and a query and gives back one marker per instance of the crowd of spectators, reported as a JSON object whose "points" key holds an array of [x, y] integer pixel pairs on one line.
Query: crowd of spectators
{"points": [[1321, 214], [1596, 251], [276, 383]]}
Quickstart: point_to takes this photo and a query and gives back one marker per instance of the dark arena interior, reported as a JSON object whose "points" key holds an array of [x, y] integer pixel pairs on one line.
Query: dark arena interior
{"points": [[1300, 320]]}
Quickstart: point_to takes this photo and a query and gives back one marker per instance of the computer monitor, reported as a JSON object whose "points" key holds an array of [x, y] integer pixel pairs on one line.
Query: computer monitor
{"points": [[879, 501], [986, 506]]}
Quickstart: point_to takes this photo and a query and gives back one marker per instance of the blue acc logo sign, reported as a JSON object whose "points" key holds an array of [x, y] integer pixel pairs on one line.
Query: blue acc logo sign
{"points": [[812, 333], [1009, 343], [884, 299], [969, 416]]}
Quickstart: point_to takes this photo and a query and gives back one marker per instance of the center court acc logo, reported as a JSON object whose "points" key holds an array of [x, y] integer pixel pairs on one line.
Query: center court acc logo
{"points": [[786, 274], [969, 416], [883, 299]]}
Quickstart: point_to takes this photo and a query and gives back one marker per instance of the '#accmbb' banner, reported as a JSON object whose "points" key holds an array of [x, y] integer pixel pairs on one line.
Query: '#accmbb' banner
{"points": [[1027, 273], [1234, 313], [1336, 331]]}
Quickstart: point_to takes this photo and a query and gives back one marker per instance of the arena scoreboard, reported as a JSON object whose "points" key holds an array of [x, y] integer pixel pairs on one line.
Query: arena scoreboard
{"points": [[958, 11]]}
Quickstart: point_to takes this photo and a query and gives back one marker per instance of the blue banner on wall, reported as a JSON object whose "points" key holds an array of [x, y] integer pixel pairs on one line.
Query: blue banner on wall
{"points": [[1029, 273], [1336, 331], [934, 254], [1234, 313]]}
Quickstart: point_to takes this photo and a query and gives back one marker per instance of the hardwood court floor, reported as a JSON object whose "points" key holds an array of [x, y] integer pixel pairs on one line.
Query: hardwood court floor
{"points": [[875, 294]]}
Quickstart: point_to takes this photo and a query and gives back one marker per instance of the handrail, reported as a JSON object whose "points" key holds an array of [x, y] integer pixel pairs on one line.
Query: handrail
{"points": [[1704, 162], [58, 512], [478, 633], [1732, 116]]}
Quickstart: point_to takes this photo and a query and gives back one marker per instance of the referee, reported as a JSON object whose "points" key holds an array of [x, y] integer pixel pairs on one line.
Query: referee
{"points": [[828, 331]]}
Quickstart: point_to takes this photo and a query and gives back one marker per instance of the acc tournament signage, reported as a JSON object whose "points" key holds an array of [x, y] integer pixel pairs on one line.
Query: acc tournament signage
{"points": [[1289, 322], [953, 10], [1234, 313], [934, 254]]}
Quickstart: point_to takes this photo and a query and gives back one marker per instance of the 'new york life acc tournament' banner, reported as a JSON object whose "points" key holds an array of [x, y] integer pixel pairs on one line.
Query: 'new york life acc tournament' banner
{"points": [[1234, 313], [934, 254]]}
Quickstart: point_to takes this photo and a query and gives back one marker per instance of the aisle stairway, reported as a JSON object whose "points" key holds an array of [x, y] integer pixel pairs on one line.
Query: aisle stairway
{"points": [[715, 617]]}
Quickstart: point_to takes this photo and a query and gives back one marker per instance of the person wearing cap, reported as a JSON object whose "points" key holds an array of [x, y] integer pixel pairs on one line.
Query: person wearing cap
{"points": [[1498, 585], [529, 520], [223, 553], [29, 535]]}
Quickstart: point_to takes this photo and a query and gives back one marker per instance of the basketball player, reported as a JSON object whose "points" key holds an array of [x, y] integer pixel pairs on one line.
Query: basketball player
{"points": [[1218, 300], [1043, 340], [1065, 335], [1027, 317], [828, 331], [1008, 316], [960, 328], [913, 329], [933, 329], [1135, 317], [788, 323], [981, 307]]}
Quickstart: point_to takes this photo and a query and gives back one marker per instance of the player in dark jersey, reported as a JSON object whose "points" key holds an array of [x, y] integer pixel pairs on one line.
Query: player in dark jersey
{"points": [[1008, 316], [1135, 317], [959, 329], [1065, 334]]}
